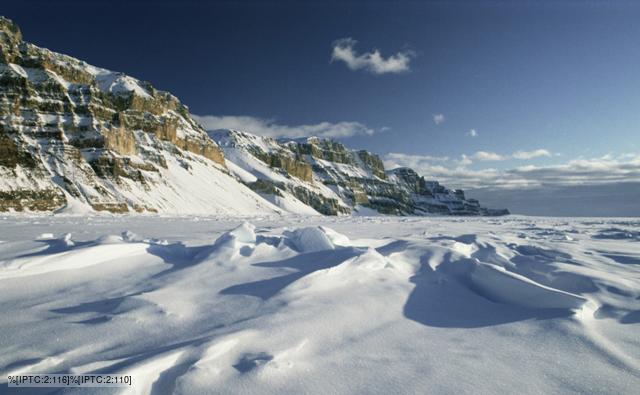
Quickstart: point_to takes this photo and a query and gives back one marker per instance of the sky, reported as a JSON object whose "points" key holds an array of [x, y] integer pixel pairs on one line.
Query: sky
{"points": [[513, 101]]}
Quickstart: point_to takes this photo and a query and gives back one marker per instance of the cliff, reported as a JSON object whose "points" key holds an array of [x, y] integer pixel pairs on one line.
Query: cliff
{"points": [[334, 180], [72, 134]]}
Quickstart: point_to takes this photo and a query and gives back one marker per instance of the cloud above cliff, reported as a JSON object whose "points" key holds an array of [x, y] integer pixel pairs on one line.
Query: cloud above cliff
{"points": [[270, 128], [372, 62], [414, 159], [590, 171], [488, 156]]}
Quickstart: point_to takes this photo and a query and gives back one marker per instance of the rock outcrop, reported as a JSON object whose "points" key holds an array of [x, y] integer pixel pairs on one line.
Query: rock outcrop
{"points": [[69, 130], [341, 180]]}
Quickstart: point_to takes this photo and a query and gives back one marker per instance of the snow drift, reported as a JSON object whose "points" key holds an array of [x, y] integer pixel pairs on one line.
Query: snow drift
{"points": [[323, 305]]}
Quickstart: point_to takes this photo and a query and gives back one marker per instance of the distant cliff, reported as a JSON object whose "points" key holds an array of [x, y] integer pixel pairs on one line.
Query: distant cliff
{"points": [[332, 179]]}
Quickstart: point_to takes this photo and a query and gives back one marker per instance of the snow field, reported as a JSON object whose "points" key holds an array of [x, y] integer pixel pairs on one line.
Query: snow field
{"points": [[324, 305]]}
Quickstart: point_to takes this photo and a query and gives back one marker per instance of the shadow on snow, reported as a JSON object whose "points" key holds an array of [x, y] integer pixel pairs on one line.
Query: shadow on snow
{"points": [[305, 264]]}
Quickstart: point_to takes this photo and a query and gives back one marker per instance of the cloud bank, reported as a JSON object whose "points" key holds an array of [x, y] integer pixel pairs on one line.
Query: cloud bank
{"points": [[601, 186], [486, 156], [524, 155], [269, 128], [372, 62], [592, 171]]}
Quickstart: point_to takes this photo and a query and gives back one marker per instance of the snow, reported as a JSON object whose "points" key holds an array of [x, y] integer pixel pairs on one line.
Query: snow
{"points": [[249, 164], [116, 83], [18, 69], [312, 304], [363, 211], [345, 184], [310, 239], [190, 184], [290, 203], [247, 168], [245, 233], [239, 172], [203, 188], [500, 285]]}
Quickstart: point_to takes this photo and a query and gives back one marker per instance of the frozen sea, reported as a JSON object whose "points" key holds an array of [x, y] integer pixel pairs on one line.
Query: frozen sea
{"points": [[319, 305]]}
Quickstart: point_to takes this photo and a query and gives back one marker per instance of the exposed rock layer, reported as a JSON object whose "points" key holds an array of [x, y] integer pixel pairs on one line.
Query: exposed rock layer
{"points": [[68, 129], [340, 179], [72, 133]]}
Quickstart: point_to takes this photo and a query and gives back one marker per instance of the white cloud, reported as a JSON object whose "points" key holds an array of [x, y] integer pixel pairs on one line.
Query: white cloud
{"points": [[531, 154], [465, 160], [269, 128], [594, 171], [472, 133], [394, 158], [438, 119], [485, 156], [373, 62]]}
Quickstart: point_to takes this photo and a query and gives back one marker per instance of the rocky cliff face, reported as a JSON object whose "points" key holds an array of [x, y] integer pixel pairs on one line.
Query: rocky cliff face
{"points": [[77, 136], [281, 170], [72, 131], [341, 180]]}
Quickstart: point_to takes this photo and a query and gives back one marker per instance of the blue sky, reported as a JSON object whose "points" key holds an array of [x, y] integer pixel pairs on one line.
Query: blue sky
{"points": [[550, 89]]}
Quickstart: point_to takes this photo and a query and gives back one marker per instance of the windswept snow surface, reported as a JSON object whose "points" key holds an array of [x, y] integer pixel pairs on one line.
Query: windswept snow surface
{"points": [[375, 305]]}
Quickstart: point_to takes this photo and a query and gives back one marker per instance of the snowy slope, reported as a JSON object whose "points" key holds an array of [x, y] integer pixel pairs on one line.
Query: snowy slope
{"points": [[246, 154], [325, 304], [332, 179], [203, 188], [79, 138]]}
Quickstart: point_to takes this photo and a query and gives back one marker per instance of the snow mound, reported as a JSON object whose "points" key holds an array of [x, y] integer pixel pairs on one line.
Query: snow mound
{"points": [[500, 285], [615, 233], [67, 256], [244, 233], [370, 259], [312, 239], [337, 239]]}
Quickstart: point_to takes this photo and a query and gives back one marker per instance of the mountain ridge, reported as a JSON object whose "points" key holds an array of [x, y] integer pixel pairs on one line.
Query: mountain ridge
{"points": [[78, 137], [333, 179]]}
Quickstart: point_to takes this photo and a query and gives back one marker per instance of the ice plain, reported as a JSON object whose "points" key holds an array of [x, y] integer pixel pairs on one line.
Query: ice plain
{"points": [[344, 305]]}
